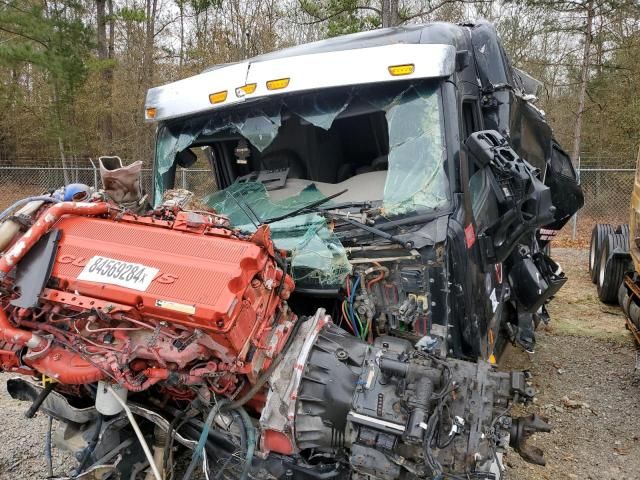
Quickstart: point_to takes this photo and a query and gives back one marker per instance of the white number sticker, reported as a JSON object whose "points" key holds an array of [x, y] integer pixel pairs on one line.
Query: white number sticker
{"points": [[116, 272]]}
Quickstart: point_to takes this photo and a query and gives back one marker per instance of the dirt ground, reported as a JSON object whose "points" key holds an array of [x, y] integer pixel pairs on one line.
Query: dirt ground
{"points": [[583, 370]]}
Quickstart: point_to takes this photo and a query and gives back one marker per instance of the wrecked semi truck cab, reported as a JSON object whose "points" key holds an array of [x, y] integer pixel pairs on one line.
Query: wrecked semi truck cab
{"points": [[334, 308], [430, 178]]}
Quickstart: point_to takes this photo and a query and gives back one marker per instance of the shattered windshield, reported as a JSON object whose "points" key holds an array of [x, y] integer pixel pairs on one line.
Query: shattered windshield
{"points": [[381, 143], [316, 256]]}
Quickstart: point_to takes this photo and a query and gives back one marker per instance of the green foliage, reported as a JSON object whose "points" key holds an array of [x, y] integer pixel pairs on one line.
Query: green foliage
{"points": [[52, 77], [53, 39], [343, 16], [200, 6], [132, 14]]}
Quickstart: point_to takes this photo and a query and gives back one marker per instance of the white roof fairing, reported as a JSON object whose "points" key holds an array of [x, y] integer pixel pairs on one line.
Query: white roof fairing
{"points": [[306, 72]]}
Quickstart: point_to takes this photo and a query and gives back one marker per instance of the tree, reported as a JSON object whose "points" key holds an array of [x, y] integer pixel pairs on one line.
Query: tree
{"points": [[347, 16], [105, 56], [578, 20], [53, 39]]}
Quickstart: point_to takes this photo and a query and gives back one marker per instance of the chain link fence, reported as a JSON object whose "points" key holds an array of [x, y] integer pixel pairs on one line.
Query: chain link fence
{"points": [[607, 197], [20, 182], [607, 190]]}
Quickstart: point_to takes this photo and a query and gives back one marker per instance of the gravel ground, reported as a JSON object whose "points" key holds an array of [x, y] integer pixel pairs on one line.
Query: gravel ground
{"points": [[583, 371]]}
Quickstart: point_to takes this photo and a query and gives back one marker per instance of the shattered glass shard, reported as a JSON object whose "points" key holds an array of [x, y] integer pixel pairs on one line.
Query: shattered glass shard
{"points": [[416, 178], [317, 257]]}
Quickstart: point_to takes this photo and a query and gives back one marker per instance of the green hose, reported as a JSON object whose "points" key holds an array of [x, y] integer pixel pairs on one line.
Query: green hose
{"points": [[198, 451], [251, 442]]}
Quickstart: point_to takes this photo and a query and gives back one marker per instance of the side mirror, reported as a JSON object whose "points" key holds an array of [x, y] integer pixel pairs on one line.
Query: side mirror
{"points": [[482, 146]]}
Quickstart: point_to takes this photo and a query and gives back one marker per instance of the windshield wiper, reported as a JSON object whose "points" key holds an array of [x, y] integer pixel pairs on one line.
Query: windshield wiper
{"points": [[339, 206], [376, 231], [247, 210], [305, 209]]}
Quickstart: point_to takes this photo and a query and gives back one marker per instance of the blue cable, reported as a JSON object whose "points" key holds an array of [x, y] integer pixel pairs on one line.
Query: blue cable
{"points": [[199, 450], [351, 299]]}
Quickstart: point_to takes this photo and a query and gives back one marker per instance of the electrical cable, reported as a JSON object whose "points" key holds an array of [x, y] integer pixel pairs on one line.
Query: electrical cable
{"points": [[170, 436], [268, 372], [198, 451], [251, 442], [90, 447], [138, 432], [343, 308], [47, 448], [352, 297], [360, 324], [243, 442]]}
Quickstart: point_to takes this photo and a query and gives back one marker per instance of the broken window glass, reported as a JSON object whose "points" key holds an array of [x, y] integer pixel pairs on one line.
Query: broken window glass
{"points": [[259, 127], [320, 108], [414, 170], [317, 257], [417, 179]]}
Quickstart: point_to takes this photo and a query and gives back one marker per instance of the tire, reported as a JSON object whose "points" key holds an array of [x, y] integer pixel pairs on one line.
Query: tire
{"points": [[611, 269], [623, 296], [634, 313], [626, 304], [623, 229], [598, 236]]}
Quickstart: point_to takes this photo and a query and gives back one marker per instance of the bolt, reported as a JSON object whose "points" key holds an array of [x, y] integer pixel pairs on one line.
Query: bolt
{"points": [[341, 354]]}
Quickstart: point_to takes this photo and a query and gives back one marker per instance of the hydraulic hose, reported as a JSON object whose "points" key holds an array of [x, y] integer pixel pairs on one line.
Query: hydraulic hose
{"points": [[197, 452], [251, 442], [24, 201], [17, 336], [43, 225]]}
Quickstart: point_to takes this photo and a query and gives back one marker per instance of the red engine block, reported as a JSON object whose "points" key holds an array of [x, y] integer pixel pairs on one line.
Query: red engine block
{"points": [[175, 297]]}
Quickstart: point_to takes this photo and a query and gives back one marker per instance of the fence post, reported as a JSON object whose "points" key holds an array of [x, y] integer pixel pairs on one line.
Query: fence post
{"points": [[574, 230], [95, 173], [184, 178]]}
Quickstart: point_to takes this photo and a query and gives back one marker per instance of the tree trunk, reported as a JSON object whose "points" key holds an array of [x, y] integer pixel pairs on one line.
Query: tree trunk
{"points": [[181, 7], [101, 29], [105, 121], [150, 29], [112, 28], [390, 17], [63, 162], [584, 80]]}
